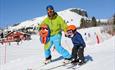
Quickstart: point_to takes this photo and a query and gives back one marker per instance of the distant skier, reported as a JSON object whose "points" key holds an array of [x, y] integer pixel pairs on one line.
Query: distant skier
{"points": [[56, 24], [79, 45]]}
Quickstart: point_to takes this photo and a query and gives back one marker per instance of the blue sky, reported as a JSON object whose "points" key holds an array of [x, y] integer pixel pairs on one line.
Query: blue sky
{"points": [[16, 11]]}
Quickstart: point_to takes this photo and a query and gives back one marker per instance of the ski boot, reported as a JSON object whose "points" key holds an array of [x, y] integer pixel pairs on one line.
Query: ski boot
{"points": [[67, 60], [81, 62], [74, 61], [48, 60]]}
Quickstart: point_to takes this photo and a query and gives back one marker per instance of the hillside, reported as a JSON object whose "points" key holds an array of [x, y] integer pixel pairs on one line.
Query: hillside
{"points": [[68, 15]]}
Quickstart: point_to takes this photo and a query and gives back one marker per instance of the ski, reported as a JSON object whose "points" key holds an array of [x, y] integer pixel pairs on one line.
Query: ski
{"points": [[64, 64], [75, 66], [72, 66]]}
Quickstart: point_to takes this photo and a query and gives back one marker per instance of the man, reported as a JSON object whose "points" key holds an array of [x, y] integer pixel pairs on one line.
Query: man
{"points": [[56, 24]]}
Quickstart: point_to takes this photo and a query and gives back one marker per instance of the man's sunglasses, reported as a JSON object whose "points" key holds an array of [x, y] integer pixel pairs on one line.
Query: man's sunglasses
{"points": [[50, 10]]}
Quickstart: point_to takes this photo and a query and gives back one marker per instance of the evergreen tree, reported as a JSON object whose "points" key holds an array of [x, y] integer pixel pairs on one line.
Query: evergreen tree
{"points": [[82, 23], [94, 22], [113, 21], [86, 14], [98, 23]]}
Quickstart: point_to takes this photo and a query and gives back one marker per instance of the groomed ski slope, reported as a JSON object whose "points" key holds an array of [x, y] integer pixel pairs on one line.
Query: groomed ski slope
{"points": [[29, 55]]}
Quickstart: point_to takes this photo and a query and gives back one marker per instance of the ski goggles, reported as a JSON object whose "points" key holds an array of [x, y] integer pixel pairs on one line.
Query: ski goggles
{"points": [[50, 10], [43, 28]]}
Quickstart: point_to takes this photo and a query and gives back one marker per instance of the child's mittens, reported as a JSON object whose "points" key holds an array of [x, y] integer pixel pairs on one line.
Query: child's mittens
{"points": [[66, 35]]}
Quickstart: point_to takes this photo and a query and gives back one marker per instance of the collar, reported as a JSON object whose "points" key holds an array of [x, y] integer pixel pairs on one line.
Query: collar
{"points": [[54, 16]]}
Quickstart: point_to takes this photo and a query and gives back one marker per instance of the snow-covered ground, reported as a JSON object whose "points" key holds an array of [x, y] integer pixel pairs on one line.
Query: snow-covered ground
{"points": [[29, 55]]}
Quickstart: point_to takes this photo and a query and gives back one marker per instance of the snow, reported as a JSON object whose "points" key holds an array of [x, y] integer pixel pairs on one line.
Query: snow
{"points": [[103, 56], [29, 55], [70, 17], [102, 20]]}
